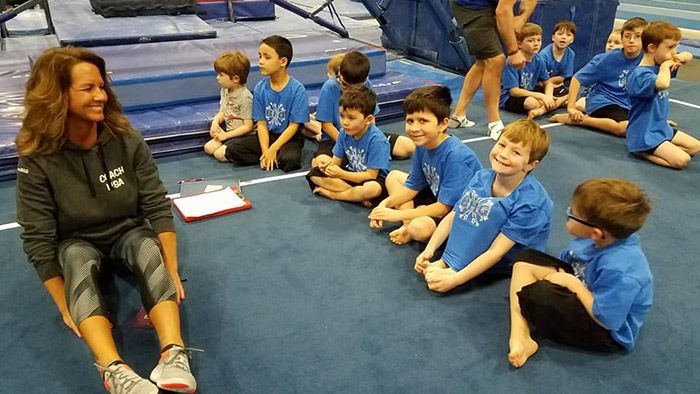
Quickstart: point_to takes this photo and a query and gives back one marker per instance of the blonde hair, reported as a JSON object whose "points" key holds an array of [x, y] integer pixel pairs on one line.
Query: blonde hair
{"points": [[334, 64], [658, 31], [46, 101], [530, 134], [233, 64], [529, 29], [616, 205]]}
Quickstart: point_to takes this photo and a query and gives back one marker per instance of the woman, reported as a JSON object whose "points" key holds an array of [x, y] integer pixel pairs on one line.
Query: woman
{"points": [[88, 189]]}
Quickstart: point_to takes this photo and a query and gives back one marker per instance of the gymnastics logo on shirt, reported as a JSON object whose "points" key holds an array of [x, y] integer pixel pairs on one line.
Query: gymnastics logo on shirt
{"points": [[432, 177], [275, 114], [662, 95], [474, 209], [577, 265], [622, 79], [525, 79], [356, 159]]}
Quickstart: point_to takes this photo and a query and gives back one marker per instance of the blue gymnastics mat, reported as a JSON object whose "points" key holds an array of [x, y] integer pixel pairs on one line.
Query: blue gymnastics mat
{"points": [[170, 73], [77, 25]]}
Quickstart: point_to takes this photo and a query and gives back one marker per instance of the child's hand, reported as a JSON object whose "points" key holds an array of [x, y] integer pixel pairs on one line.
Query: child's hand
{"points": [[215, 129], [323, 162], [221, 137], [268, 160], [333, 170], [682, 58], [385, 214], [574, 114], [69, 322], [440, 279], [423, 261], [548, 102]]}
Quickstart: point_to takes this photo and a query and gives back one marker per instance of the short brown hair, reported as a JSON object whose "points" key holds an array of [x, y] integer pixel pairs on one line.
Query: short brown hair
{"points": [[530, 134], [616, 205], [334, 64], [355, 67], [281, 45], [566, 26], [658, 31], [434, 99], [529, 29], [634, 23], [233, 64], [360, 98]]}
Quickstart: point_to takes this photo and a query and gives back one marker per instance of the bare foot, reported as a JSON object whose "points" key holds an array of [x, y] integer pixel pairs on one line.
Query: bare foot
{"points": [[400, 236], [560, 118], [324, 192], [533, 113], [521, 350]]}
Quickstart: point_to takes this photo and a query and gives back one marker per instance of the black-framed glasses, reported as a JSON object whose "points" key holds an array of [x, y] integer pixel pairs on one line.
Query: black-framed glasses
{"points": [[578, 219]]}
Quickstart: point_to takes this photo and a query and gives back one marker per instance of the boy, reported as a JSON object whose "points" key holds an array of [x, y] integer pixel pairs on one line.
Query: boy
{"points": [[361, 157], [313, 128], [649, 134], [440, 170], [598, 295], [280, 106], [559, 57], [354, 70], [502, 211], [518, 86], [235, 106], [607, 102]]}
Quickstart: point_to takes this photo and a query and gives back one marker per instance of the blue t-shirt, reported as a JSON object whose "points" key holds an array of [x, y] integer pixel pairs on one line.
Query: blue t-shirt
{"points": [[524, 216], [328, 110], [278, 109], [564, 67], [525, 78], [446, 170], [478, 4], [619, 278], [606, 75], [648, 126], [371, 152]]}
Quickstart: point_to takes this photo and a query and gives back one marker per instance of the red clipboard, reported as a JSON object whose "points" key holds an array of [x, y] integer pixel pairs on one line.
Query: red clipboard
{"points": [[211, 204]]}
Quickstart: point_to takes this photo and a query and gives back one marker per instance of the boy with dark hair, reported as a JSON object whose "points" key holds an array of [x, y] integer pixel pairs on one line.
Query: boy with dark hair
{"points": [[361, 157], [597, 295], [502, 210], [235, 106], [607, 101], [649, 133], [354, 70], [518, 85], [280, 106], [559, 57], [440, 170]]}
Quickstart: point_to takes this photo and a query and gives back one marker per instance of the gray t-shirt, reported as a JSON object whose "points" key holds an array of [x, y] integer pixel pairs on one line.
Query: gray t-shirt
{"points": [[237, 105]]}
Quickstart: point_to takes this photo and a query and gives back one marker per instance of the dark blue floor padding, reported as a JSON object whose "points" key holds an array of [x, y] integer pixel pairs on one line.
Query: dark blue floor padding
{"points": [[76, 24], [299, 295]]}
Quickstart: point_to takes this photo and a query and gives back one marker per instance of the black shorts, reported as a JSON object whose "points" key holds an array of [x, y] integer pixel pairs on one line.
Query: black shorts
{"points": [[559, 91], [555, 312], [381, 180], [515, 104], [479, 30], [652, 150], [612, 111]]}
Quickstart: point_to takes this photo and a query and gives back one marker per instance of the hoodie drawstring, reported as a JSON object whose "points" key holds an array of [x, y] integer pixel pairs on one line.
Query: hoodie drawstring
{"points": [[87, 176]]}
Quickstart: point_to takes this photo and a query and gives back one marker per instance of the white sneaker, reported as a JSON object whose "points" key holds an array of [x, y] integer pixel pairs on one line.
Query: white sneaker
{"points": [[173, 371], [495, 131], [459, 122], [120, 379]]}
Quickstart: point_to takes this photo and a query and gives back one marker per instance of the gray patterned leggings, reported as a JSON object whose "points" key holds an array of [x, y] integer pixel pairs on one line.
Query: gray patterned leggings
{"points": [[81, 263]]}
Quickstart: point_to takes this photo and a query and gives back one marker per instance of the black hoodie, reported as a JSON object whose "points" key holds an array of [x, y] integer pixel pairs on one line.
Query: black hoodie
{"points": [[94, 194]]}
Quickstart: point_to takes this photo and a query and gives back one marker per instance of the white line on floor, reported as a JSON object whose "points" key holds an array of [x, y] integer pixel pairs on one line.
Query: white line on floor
{"points": [[684, 103]]}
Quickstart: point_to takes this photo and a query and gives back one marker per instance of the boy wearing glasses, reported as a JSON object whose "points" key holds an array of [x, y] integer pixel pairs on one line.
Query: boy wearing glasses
{"points": [[354, 70], [598, 293]]}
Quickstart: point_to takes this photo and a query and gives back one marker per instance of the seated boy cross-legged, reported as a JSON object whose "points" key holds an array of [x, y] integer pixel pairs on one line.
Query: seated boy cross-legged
{"points": [[361, 157], [440, 169], [503, 210], [597, 295]]}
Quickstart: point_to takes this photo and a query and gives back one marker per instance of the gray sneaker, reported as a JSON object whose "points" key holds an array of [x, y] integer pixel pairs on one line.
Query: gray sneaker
{"points": [[120, 379], [460, 122], [173, 371]]}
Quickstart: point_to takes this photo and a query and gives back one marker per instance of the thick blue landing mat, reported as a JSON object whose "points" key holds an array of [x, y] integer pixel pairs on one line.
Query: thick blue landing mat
{"points": [[77, 25], [685, 15]]}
